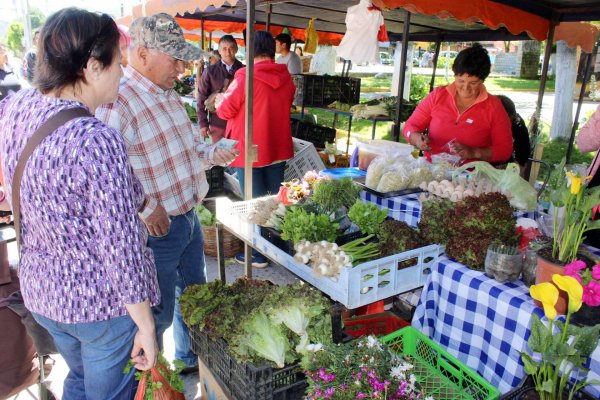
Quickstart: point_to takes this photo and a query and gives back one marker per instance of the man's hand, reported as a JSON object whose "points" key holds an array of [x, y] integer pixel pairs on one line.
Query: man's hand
{"points": [[158, 222], [224, 157], [204, 132]]}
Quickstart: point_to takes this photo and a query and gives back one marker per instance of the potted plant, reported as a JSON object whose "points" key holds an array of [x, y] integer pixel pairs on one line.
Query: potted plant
{"points": [[573, 203], [589, 278], [560, 349]]}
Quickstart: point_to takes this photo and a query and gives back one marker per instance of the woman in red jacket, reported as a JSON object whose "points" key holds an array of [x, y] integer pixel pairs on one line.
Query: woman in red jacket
{"points": [[462, 118], [273, 95]]}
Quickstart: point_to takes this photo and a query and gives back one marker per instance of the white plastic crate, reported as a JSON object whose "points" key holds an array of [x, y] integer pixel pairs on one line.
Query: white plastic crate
{"points": [[366, 283], [234, 215], [305, 159]]}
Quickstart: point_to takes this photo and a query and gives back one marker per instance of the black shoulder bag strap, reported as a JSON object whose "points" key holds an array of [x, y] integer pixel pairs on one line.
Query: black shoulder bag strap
{"points": [[53, 123]]}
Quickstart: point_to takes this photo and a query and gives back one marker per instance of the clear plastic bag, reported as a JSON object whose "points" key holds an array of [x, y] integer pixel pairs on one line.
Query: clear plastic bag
{"points": [[520, 193], [395, 177], [375, 171]]}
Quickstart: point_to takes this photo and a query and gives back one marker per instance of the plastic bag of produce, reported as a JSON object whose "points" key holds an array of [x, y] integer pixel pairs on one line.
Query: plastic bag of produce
{"points": [[395, 177], [521, 194], [375, 171]]}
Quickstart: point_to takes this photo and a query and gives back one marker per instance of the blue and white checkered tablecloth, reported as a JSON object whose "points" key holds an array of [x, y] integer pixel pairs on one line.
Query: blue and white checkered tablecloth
{"points": [[408, 209], [485, 324]]}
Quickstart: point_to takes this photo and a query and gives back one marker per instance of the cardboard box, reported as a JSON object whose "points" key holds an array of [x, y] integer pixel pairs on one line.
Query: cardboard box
{"points": [[210, 388]]}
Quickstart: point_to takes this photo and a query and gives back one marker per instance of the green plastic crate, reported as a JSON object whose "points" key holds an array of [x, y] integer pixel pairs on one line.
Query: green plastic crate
{"points": [[440, 374]]}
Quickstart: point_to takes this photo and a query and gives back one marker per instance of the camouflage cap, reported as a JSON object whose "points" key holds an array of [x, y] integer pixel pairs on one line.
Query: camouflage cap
{"points": [[163, 33]]}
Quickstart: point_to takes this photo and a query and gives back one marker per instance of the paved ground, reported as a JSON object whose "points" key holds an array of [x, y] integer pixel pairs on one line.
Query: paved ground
{"points": [[274, 273]]}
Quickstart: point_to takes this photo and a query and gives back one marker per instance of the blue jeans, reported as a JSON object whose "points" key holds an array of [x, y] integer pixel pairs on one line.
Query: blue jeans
{"points": [[179, 258], [96, 353], [265, 180]]}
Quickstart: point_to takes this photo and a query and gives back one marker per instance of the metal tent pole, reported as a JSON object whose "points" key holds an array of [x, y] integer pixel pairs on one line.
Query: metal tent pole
{"points": [[269, 11], [202, 33], [586, 76], [399, 104], [249, 151], [438, 44], [535, 118]]}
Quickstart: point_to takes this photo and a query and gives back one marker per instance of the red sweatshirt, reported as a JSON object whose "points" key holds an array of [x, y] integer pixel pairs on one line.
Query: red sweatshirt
{"points": [[484, 124], [273, 96]]}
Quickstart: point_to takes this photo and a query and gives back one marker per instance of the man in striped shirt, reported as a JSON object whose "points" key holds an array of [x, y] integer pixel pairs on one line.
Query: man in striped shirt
{"points": [[168, 158]]}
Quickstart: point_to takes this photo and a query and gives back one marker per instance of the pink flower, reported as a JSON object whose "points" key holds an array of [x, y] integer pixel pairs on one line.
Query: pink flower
{"points": [[573, 268], [591, 294], [596, 272]]}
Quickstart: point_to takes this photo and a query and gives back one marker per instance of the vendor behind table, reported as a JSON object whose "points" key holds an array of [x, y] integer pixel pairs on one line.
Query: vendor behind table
{"points": [[463, 118]]}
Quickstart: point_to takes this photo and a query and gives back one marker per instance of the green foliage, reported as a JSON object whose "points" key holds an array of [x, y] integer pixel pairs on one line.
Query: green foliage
{"points": [[562, 348], [171, 375], [333, 194], [191, 112], [556, 149], [367, 216], [419, 87], [298, 224], [435, 214], [37, 18], [205, 216], [14, 37]]}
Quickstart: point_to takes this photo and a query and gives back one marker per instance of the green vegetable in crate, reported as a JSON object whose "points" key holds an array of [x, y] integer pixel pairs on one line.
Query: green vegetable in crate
{"points": [[265, 339], [333, 194], [298, 224], [397, 236], [197, 301], [367, 216]]}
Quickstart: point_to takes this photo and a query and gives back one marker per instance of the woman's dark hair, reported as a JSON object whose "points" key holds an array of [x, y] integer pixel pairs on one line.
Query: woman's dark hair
{"points": [[69, 38], [264, 44], [508, 105], [473, 61]]}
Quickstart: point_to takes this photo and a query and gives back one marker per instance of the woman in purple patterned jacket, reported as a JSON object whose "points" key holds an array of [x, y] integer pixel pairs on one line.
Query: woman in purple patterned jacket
{"points": [[86, 273]]}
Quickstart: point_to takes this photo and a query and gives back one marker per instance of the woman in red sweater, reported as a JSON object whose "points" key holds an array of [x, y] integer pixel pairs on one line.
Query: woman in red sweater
{"points": [[463, 118]]}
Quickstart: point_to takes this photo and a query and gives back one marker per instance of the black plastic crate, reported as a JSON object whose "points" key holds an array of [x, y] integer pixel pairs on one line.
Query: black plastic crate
{"points": [[274, 237], [247, 381], [320, 91], [315, 134], [527, 384], [216, 181]]}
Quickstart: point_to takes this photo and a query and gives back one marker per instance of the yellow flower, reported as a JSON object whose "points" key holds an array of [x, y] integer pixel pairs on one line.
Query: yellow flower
{"points": [[576, 182], [572, 287], [546, 293]]}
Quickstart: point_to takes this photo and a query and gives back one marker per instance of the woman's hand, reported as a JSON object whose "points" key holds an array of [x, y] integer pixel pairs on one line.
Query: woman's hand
{"points": [[145, 350], [224, 157], [471, 153], [420, 141]]}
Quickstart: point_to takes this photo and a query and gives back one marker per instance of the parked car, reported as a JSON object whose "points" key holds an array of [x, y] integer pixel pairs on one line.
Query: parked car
{"points": [[386, 58]]}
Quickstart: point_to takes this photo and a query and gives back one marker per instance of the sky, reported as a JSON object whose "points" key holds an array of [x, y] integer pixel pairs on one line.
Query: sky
{"points": [[9, 8]]}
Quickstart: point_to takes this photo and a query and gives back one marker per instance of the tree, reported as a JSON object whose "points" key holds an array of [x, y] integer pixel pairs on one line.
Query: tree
{"points": [[37, 18], [14, 37], [566, 72], [507, 46]]}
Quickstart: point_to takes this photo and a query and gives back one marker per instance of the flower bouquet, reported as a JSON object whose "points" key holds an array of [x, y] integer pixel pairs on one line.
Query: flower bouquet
{"points": [[364, 369], [562, 349]]}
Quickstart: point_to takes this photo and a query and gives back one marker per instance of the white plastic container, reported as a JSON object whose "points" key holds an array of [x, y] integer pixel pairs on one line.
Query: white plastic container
{"points": [[369, 149]]}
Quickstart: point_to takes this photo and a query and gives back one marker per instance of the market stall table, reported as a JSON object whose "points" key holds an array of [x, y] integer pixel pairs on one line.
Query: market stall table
{"points": [[482, 322], [407, 208]]}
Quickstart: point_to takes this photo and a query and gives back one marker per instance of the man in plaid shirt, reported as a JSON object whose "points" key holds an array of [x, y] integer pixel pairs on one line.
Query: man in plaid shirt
{"points": [[169, 160]]}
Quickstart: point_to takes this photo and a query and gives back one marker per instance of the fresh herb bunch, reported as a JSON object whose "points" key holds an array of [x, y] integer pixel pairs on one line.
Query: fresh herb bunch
{"points": [[333, 194], [191, 113], [170, 374], [361, 250], [397, 236], [435, 214], [300, 225], [367, 216]]}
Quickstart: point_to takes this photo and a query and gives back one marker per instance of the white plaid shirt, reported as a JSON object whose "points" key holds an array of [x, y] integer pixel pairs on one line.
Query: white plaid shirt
{"points": [[162, 145]]}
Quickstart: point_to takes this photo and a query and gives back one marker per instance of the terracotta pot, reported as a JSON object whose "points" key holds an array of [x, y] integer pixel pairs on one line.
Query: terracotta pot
{"points": [[545, 270]]}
